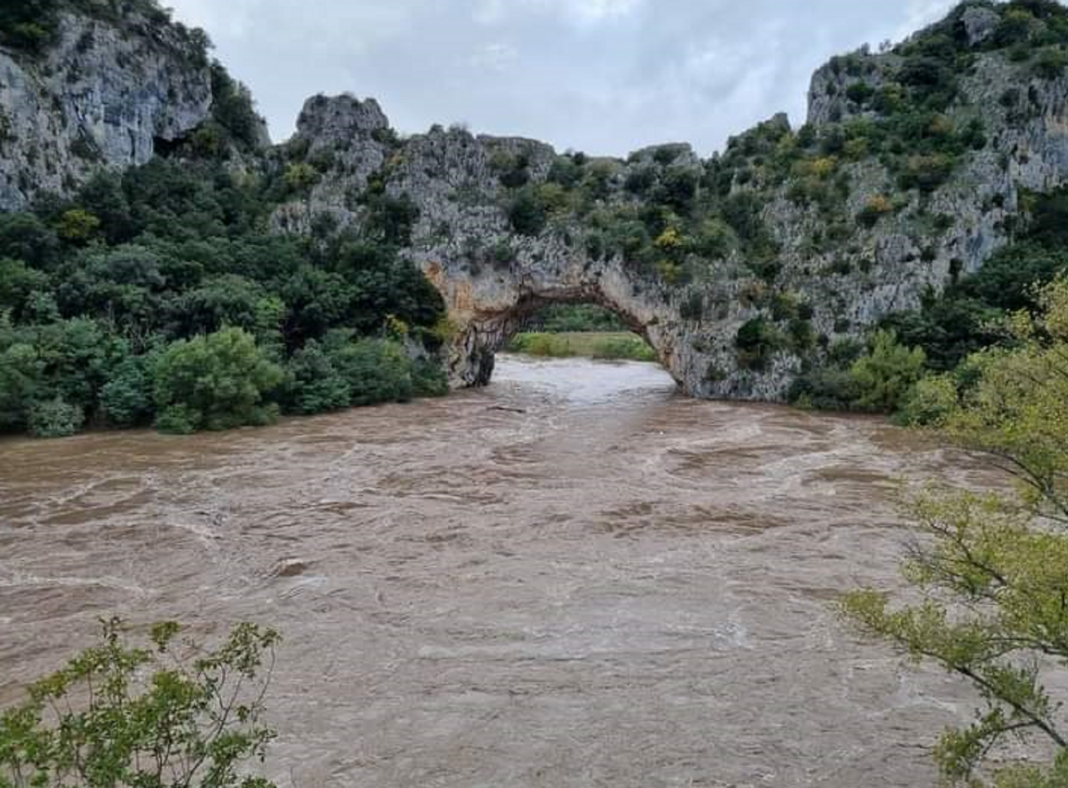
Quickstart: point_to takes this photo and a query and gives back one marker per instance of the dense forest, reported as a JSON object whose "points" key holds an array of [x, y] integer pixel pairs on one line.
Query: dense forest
{"points": [[159, 295]]}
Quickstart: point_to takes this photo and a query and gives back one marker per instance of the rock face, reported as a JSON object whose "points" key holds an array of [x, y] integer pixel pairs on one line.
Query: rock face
{"points": [[99, 96], [823, 247], [492, 278]]}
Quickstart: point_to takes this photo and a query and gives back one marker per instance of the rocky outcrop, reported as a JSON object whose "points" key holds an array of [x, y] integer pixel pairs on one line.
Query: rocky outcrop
{"points": [[492, 277], [98, 96], [807, 230]]}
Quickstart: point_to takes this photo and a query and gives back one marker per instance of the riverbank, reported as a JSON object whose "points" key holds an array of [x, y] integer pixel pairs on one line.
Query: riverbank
{"points": [[604, 345]]}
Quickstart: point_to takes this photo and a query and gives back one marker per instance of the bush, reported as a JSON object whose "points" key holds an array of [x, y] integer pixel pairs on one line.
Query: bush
{"points": [[885, 376], [376, 370], [875, 209], [215, 382], [118, 715], [526, 213], [315, 385], [756, 341], [126, 398], [828, 388], [930, 401], [429, 379], [55, 418]]}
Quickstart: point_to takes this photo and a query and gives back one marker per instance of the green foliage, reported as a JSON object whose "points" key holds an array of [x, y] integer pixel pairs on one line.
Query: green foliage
{"points": [[126, 399], [233, 109], [1050, 62], [55, 418], [576, 318], [375, 370], [429, 379], [826, 388], [94, 289], [526, 213], [993, 569], [616, 346], [215, 382], [120, 715], [884, 377], [757, 341], [315, 385]]}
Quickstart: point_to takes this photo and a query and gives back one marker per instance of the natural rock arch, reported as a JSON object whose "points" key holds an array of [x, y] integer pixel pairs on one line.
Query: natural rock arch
{"points": [[487, 310]]}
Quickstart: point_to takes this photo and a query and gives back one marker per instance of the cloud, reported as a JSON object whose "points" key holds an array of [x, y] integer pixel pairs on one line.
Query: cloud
{"points": [[605, 76], [581, 12], [494, 57]]}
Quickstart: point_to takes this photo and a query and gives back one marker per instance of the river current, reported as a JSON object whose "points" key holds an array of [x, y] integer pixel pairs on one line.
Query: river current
{"points": [[575, 577]]}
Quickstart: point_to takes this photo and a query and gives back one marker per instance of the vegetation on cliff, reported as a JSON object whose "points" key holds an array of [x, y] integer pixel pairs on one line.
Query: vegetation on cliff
{"points": [[160, 295], [934, 343]]}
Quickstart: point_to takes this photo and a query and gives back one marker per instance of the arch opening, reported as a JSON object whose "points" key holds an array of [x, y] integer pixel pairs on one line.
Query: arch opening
{"points": [[488, 305], [488, 334]]}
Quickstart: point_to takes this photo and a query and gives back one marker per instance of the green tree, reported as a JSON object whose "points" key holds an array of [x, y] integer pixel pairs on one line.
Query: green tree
{"points": [[55, 418], [119, 715], [376, 370], [994, 569], [215, 382], [885, 376], [21, 378], [315, 385], [126, 399]]}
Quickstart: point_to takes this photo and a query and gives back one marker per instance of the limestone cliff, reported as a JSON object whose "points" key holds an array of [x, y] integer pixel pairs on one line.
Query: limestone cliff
{"points": [[860, 223], [914, 166], [99, 95]]}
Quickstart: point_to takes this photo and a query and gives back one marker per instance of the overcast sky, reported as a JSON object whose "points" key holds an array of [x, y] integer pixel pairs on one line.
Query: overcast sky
{"points": [[602, 76]]}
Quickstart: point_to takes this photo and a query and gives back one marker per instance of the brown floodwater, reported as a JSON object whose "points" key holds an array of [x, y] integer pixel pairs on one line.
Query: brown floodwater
{"points": [[575, 577]]}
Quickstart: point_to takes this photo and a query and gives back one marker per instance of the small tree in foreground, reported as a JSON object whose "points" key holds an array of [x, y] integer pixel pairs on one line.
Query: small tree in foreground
{"points": [[993, 570], [168, 716]]}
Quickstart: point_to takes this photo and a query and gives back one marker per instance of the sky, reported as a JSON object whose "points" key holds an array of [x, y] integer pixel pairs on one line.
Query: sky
{"points": [[602, 76]]}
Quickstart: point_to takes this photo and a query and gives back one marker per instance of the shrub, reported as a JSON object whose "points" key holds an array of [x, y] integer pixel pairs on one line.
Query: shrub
{"points": [[885, 376], [826, 388], [875, 209], [78, 226], [299, 177], [927, 173], [1050, 63], [315, 385], [55, 418], [860, 92], [429, 378], [215, 382], [526, 214], [126, 398], [118, 715], [376, 370], [930, 401], [756, 341]]}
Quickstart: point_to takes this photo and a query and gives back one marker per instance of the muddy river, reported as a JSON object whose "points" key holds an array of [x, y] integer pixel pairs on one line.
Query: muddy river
{"points": [[575, 577]]}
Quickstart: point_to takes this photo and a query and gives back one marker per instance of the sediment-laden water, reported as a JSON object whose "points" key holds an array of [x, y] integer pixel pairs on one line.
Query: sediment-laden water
{"points": [[575, 577]]}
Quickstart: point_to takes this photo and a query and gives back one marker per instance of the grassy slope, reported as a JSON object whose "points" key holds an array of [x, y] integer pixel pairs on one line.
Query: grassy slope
{"points": [[593, 344]]}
